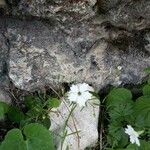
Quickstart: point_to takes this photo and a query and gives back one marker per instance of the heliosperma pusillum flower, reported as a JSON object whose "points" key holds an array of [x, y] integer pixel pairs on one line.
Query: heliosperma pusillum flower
{"points": [[134, 136], [80, 93]]}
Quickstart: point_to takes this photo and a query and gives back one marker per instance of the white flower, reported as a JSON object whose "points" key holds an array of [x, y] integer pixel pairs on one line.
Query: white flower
{"points": [[80, 93], [133, 135]]}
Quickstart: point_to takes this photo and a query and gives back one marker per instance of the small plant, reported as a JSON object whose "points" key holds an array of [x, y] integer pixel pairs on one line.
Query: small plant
{"points": [[126, 124], [128, 119], [31, 132]]}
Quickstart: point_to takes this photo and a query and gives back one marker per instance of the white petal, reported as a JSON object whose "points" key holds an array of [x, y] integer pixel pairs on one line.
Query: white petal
{"points": [[72, 97], [86, 95], [74, 88], [85, 87], [133, 135], [132, 139], [129, 130], [137, 142], [90, 89], [81, 101]]}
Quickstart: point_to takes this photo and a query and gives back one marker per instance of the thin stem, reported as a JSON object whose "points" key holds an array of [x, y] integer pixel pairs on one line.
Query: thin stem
{"points": [[78, 137]]}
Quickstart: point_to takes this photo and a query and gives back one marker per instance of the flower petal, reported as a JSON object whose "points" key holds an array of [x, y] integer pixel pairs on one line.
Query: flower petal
{"points": [[132, 134], [137, 142], [81, 101], [86, 95], [74, 88], [72, 97], [85, 87]]}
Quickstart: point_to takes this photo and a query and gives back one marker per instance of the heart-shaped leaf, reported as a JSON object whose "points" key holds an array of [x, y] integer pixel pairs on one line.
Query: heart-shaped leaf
{"points": [[33, 137]]}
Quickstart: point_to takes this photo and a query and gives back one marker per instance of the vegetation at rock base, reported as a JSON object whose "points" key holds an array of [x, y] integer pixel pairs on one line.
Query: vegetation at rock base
{"points": [[124, 120]]}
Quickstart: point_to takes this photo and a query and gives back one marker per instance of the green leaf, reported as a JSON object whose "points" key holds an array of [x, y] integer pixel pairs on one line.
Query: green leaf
{"points": [[148, 81], [3, 109], [116, 135], [15, 115], [119, 95], [45, 121], [143, 146], [32, 101], [146, 90], [13, 141], [36, 137], [122, 112], [147, 70], [53, 102], [35, 111], [27, 120], [142, 111]]}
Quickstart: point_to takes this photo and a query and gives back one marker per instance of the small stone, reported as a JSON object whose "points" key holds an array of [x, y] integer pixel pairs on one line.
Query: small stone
{"points": [[84, 121]]}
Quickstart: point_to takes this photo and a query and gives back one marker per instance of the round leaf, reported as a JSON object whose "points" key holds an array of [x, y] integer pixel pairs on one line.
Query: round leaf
{"points": [[15, 115], [53, 102], [119, 95], [36, 137], [146, 90], [13, 141]]}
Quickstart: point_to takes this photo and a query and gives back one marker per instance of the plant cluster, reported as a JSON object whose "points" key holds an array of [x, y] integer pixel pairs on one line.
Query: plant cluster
{"points": [[128, 119], [32, 125], [127, 126]]}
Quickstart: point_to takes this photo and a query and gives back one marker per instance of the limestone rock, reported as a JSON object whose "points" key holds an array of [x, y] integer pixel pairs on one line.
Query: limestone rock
{"points": [[51, 54], [69, 42], [4, 96], [62, 9], [46, 54], [4, 52], [85, 123], [129, 14]]}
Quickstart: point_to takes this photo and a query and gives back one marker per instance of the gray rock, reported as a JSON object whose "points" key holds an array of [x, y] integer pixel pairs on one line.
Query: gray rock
{"points": [[4, 96], [84, 121], [46, 54], [42, 55], [73, 44], [4, 52], [129, 14], [62, 9]]}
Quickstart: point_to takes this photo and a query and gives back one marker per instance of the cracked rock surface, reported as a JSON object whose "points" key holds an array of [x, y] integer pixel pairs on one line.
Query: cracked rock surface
{"points": [[46, 54], [66, 41]]}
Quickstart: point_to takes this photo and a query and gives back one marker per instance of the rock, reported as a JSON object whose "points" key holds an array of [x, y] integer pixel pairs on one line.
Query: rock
{"points": [[129, 14], [2, 3], [4, 96], [42, 55], [62, 9], [85, 123], [4, 52], [52, 53], [147, 38], [68, 42]]}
